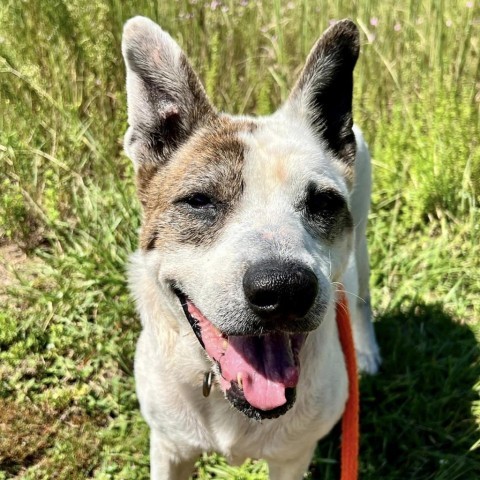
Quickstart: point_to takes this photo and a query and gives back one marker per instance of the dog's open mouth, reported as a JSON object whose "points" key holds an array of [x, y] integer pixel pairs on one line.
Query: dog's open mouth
{"points": [[257, 373]]}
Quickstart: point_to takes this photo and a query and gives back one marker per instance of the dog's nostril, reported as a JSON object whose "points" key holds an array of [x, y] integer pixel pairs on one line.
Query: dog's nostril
{"points": [[280, 289], [264, 299]]}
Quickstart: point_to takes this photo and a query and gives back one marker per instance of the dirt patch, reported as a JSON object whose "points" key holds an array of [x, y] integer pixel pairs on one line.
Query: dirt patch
{"points": [[11, 259], [15, 264], [31, 434], [27, 432]]}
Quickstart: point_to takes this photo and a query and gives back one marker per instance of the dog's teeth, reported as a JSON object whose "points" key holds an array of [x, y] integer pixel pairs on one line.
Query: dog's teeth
{"points": [[240, 380], [225, 344]]}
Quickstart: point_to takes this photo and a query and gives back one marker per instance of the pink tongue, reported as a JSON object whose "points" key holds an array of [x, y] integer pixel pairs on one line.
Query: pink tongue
{"points": [[265, 364]]}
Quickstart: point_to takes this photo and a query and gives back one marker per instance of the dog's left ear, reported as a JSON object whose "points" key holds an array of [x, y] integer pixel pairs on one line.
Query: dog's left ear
{"points": [[323, 93]]}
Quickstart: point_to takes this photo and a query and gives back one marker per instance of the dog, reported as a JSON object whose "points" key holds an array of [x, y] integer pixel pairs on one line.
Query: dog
{"points": [[249, 225]]}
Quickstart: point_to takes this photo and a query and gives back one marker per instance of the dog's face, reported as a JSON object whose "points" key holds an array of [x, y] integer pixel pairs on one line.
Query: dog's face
{"points": [[246, 220]]}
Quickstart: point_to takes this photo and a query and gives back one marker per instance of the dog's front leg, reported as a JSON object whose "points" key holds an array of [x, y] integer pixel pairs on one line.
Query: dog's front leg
{"points": [[166, 464], [292, 469]]}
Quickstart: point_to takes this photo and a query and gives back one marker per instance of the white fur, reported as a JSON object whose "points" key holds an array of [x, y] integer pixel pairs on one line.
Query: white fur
{"points": [[170, 363], [282, 156]]}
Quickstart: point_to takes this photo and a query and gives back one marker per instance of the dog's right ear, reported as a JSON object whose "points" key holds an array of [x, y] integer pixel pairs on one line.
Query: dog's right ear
{"points": [[166, 101]]}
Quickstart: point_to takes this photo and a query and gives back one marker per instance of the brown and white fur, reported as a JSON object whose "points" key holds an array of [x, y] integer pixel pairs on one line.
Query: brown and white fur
{"points": [[221, 196]]}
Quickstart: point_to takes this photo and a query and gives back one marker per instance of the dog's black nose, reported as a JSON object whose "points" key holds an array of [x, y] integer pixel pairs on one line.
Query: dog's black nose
{"points": [[279, 290]]}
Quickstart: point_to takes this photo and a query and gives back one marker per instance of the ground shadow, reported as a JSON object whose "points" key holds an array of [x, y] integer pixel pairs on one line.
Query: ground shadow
{"points": [[416, 414]]}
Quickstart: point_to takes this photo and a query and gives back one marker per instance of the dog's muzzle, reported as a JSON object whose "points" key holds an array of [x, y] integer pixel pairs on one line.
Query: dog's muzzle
{"points": [[259, 373]]}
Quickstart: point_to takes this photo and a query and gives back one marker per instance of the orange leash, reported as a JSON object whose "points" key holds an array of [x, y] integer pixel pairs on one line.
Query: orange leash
{"points": [[350, 420]]}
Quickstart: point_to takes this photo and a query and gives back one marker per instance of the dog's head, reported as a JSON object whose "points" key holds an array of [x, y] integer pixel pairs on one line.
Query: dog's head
{"points": [[246, 221]]}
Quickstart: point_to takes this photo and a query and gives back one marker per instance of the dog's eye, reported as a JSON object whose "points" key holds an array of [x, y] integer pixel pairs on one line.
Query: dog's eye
{"points": [[199, 201], [320, 202]]}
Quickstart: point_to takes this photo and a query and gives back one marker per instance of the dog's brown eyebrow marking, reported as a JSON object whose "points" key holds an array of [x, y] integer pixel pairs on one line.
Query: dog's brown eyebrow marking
{"points": [[211, 163]]}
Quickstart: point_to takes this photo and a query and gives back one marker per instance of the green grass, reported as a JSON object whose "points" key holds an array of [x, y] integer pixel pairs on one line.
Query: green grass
{"points": [[68, 327]]}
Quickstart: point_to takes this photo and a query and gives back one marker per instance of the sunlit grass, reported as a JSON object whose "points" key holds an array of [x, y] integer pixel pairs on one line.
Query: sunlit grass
{"points": [[68, 327]]}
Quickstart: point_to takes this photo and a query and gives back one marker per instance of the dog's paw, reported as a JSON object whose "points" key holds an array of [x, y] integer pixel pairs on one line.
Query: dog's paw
{"points": [[369, 361]]}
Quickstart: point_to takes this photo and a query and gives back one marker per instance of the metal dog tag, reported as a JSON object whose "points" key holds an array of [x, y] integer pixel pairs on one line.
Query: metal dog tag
{"points": [[207, 383]]}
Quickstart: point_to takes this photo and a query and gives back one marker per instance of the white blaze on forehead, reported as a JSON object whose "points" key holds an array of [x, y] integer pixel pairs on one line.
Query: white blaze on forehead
{"points": [[281, 159]]}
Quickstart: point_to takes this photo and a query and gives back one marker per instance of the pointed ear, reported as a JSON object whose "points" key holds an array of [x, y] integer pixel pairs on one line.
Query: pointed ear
{"points": [[323, 92], [166, 101]]}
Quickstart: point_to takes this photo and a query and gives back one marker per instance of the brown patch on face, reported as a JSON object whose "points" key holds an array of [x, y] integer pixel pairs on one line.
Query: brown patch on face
{"points": [[208, 166]]}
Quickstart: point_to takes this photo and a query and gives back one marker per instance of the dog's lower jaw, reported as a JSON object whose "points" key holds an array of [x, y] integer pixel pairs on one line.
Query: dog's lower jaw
{"points": [[236, 397]]}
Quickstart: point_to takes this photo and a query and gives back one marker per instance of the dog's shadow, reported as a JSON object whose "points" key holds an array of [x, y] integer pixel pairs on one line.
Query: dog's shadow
{"points": [[416, 414]]}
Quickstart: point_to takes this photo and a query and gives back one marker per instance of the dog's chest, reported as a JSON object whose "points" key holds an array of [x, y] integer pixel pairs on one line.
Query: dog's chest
{"points": [[238, 437], [314, 413]]}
